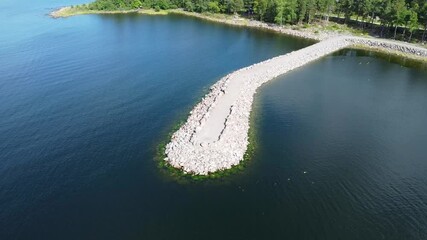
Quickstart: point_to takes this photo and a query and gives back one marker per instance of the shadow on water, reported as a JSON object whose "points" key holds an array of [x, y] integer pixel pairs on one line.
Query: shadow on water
{"points": [[389, 57]]}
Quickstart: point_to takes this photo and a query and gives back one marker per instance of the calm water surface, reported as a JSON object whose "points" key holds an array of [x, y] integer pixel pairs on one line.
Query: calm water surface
{"points": [[84, 102]]}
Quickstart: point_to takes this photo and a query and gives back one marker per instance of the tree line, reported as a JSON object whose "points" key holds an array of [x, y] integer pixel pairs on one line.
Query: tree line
{"points": [[391, 15]]}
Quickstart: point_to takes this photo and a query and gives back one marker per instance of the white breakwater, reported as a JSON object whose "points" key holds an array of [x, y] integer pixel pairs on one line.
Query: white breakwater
{"points": [[215, 135]]}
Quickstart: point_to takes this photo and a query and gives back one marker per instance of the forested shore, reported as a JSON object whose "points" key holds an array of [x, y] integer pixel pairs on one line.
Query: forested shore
{"points": [[397, 19]]}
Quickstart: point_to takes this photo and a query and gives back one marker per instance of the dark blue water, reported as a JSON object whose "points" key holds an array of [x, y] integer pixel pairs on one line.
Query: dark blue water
{"points": [[85, 101], [343, 150]]}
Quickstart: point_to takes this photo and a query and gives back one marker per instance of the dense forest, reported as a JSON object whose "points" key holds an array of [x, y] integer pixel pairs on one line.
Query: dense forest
{"points": [[395, 18]]}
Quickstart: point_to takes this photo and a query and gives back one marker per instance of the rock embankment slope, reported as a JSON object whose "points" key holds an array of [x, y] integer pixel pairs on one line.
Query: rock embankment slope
{"points": [[215, 135]]}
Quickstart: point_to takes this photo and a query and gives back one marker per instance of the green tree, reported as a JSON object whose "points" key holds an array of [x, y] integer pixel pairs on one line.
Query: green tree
{"points": [[311, 10], [278, 19], [234, 6], [260, 7], [365, 8], [213, 7], [200, 5], [422, 18], [302, 10], [290, 11], [325, 7], [271, 11], [398, 14], [412, 22], [189, 6], [346, 7], [248, 5], [136, 4], [374, 8]]}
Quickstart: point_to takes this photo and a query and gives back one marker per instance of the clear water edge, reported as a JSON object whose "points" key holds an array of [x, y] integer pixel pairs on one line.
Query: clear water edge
{"points": [[107, 186], [183, 177]]}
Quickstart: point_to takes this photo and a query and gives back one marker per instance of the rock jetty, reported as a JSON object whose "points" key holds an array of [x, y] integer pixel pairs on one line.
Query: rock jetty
{"points": [[215, 135]]}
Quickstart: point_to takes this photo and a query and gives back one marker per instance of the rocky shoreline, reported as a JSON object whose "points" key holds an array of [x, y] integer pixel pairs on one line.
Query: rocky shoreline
{"points": [[215, 135], [236, 20]]}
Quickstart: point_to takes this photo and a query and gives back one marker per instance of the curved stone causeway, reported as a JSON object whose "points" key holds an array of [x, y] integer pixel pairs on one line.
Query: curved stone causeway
{"points": [[215, 135]]}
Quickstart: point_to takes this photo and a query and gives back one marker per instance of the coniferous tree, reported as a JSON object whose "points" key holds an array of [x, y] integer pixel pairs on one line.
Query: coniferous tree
{"points": [[302, 10], [398, 14], [260, 8]]}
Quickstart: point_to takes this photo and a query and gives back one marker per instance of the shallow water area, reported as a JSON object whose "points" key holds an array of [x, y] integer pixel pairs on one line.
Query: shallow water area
{"points": [[86, 100]]}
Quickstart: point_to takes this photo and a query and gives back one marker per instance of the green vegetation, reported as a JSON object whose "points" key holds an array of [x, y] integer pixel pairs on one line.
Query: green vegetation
{"points": [[403, 19]]}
